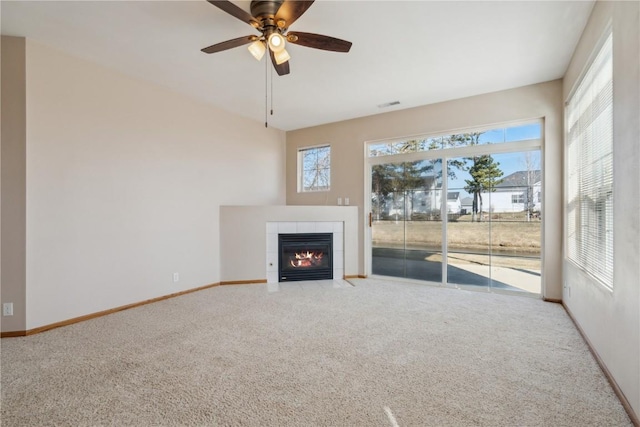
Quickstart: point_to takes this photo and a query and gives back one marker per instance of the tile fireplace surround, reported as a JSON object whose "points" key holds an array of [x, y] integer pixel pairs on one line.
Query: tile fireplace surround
{"points": [[249, 238]]}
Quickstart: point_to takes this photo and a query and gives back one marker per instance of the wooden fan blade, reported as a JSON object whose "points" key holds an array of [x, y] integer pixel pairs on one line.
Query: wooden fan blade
{"points": [[229, 44], [318, 41], [291, 10], [281, 69], [236, 11]]}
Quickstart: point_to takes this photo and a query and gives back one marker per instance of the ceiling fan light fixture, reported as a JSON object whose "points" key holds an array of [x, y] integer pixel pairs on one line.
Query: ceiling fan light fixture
{"points": [[282, 56], [257, 49], [276, 42]]}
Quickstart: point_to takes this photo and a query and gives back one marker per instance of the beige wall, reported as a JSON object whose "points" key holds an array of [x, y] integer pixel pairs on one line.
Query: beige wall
{"points": [[347, 153], [13, 191], [124, 183], [611, 320]]}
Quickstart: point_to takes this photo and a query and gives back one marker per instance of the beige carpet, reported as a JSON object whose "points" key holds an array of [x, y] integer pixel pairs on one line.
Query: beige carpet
{"points": [[377, 354]]}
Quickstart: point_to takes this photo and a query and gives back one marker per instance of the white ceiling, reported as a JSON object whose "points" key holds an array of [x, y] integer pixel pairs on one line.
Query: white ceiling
{"points": [[415, 52]]}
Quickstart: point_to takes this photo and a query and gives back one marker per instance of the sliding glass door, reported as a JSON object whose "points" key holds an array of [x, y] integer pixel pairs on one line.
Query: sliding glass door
{"points": [[460, 210], [406, 221], [494, 223]]}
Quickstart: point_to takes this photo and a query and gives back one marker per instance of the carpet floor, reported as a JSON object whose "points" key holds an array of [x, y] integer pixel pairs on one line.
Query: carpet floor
{"points": [[378, 353]]}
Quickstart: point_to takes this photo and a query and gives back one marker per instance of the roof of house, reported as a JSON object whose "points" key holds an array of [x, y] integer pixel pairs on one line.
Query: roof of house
{"points": [[520, 178]]}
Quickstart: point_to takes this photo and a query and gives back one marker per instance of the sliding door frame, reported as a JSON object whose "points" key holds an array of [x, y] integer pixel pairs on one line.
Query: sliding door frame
{"points": [[444, 154]]}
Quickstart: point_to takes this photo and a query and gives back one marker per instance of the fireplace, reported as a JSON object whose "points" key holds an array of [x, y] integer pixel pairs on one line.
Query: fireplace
{"points": [[305, 256]]}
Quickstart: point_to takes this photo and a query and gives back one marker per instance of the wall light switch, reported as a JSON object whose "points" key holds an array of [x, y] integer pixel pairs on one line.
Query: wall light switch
{"points": [[7, 309], [176, 277], [346, 201], [339, 201]]}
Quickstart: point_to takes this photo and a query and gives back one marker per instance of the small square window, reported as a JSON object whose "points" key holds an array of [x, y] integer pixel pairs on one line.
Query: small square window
{"points": [[314, 169]]}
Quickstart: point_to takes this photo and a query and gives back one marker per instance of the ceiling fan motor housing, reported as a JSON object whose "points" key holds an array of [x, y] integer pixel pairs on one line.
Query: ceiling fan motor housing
{"points": [[265, 9]]}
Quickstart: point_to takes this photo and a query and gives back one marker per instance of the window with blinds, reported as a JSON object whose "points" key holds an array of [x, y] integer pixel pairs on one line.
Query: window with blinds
{"points": [[589, 115]]}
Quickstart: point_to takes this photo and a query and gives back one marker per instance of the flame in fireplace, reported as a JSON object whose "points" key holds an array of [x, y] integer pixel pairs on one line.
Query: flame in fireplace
{"points": [[306, 259]]}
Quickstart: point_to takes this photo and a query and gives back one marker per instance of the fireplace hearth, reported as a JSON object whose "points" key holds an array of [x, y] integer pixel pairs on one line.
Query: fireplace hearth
{"points": [[305, 256]]}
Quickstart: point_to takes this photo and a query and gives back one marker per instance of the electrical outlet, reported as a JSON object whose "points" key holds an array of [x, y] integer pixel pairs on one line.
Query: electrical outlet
{"points": [[346, 201], [339, 201], [7, 309], [176, 277]]}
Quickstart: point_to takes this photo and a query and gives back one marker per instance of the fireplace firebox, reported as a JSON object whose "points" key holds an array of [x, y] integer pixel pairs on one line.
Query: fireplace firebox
{"points": [[305, 256]]}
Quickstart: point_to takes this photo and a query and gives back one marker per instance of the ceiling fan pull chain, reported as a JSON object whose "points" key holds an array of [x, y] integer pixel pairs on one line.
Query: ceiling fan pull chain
{"points": [[266, 90], [271, 91]]}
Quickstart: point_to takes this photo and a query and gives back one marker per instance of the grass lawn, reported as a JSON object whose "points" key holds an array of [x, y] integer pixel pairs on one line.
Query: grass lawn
{"points": [[506, 236]]}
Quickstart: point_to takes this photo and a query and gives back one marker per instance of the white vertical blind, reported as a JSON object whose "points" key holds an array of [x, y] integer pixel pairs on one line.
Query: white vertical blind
{"points": [[589, 115]]}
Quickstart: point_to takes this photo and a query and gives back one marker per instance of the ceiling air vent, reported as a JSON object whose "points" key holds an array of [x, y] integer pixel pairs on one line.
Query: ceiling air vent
{"points": [[389, 104]]}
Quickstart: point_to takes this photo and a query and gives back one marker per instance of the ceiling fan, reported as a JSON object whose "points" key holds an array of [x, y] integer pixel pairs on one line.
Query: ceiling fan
{"points": [[272, 19]]}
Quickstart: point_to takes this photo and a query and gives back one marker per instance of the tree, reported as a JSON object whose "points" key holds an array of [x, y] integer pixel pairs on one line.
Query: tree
{"points": [[485, 175], [412, 176], [406, 178], [316, 165], [531, 162], [396, 182], [458, 140], [382, 178]]}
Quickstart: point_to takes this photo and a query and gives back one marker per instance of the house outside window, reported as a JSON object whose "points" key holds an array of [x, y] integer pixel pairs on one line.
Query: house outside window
{"points": [[589, 114], [314, 169]]}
